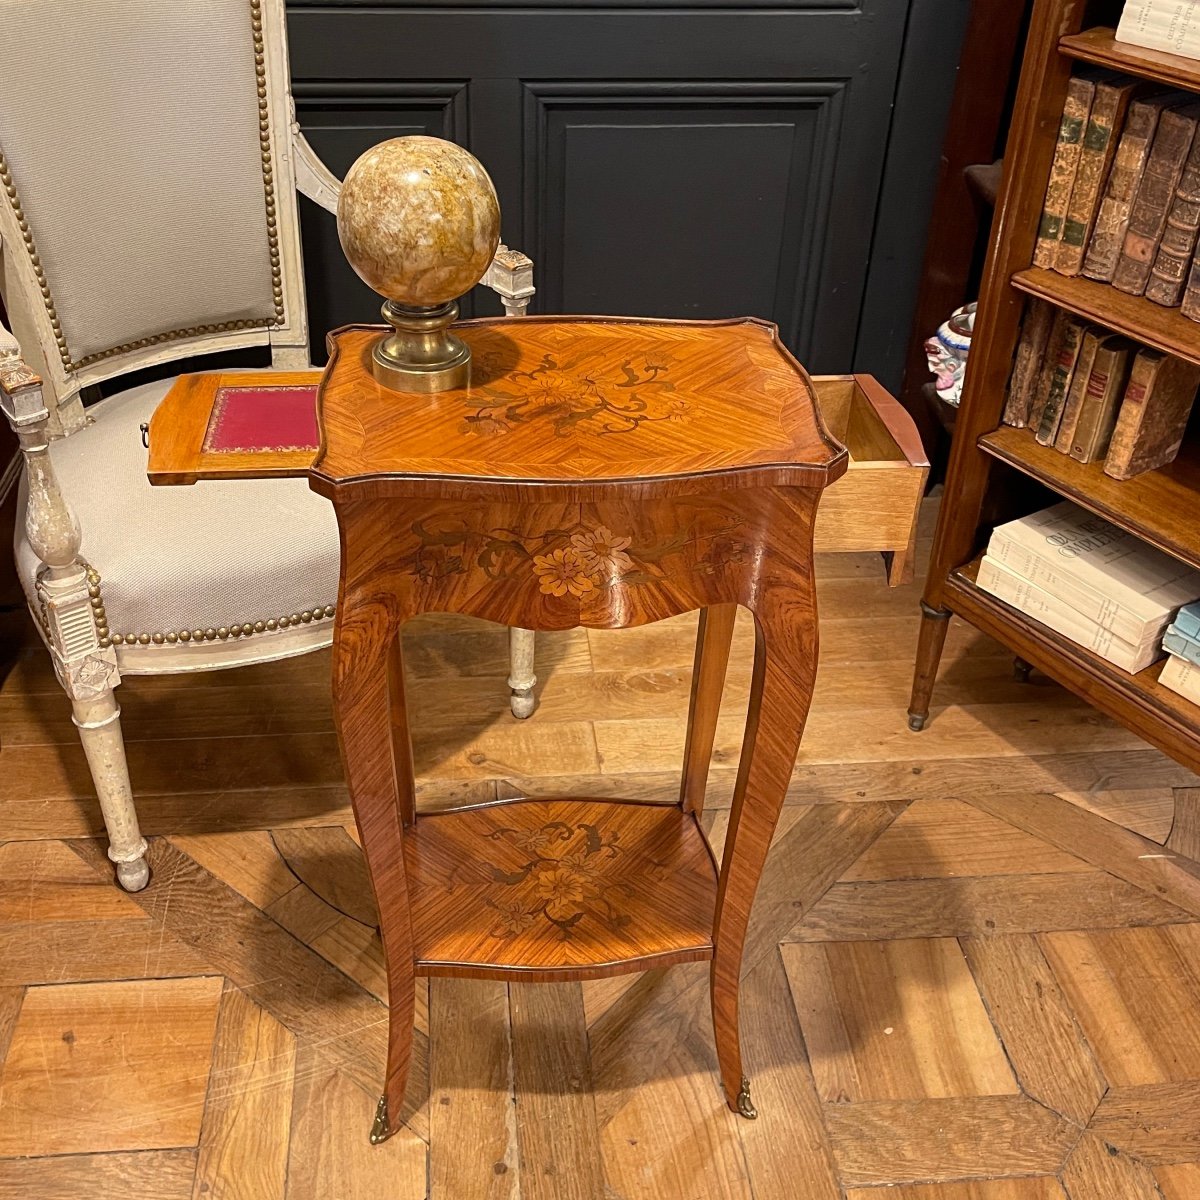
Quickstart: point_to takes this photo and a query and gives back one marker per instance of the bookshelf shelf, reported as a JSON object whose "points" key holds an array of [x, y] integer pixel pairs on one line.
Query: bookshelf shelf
{"points": [[1138, 701], [1156, 506], [1100, 46], [1135, 316]]}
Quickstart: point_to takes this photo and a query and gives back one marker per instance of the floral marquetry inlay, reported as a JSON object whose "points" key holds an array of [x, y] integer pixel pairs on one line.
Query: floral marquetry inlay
{"points": [[579, 561], [566, 399], [562, 881]]}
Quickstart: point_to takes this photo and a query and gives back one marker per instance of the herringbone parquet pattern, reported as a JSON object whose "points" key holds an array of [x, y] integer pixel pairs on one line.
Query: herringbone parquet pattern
{"points": [[973, 970]]}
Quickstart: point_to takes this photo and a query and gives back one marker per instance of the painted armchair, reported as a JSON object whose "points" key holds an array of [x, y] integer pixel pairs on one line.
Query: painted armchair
{"points": [[149, 214]]}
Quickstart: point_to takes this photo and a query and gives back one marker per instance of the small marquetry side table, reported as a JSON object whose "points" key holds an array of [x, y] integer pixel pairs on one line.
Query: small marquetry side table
{"points": [[596, 472]]}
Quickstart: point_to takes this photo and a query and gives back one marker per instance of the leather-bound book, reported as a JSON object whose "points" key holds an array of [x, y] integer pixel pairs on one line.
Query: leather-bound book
{"points": [[1080, 92], [1129, 162], [1077, 392], [1027, 364], [1063, 371], [1154, 414], [1100, 137], [1168, 276], [1148, 217], [1041, 387], [1191, 295], [1102, 398]]}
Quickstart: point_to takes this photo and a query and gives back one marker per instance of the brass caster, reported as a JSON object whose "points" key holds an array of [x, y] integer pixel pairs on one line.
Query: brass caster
{"points": [[745, 1105], [379, 1128], [1021, 670], [916, 721]]}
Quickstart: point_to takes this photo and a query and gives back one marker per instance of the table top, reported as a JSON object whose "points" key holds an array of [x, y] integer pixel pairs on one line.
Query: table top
{"points": [[578, 401]]}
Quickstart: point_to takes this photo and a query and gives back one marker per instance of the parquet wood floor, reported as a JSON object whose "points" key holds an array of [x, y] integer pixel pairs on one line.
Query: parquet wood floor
{"points": [[973, 971]]}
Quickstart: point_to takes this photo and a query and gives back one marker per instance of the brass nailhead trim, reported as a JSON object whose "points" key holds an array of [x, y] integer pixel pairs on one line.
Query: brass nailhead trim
{"points": [[264, 138], [221, 633]]}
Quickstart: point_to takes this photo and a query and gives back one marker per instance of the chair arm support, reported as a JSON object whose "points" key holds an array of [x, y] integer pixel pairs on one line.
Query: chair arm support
{"points": [[313, 178], [84, 660]]}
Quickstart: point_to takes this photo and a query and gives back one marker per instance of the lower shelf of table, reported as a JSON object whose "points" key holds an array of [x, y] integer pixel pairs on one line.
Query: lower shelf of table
{"points": [[566, 889]]}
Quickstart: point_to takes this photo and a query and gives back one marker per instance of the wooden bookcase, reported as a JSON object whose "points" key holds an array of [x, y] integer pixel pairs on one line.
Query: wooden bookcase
{"points": [[1162, 507]]}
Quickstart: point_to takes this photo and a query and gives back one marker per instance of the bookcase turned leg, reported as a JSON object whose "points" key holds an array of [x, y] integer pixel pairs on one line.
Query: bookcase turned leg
{"points": [[932, 639]]}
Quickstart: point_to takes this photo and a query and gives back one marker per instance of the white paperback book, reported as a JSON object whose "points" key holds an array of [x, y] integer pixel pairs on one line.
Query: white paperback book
{"points": [[1052, 612], [1170, 25], [1182, 677], [1107, 574]]}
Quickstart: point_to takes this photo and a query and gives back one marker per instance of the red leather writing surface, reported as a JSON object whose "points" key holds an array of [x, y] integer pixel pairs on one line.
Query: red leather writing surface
{"points": [[266, 418]]}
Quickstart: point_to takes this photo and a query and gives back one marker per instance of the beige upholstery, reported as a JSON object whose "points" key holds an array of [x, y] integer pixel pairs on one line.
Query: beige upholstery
{"points": [[173, 558], [147, 177]]}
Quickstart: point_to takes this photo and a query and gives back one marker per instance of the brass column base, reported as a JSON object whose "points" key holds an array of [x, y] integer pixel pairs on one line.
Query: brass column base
{"points": [[421, 355]]}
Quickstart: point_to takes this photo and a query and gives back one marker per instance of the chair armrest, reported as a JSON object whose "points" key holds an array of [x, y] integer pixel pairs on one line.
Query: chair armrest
{"points": [[313, 178], [511, 277]]}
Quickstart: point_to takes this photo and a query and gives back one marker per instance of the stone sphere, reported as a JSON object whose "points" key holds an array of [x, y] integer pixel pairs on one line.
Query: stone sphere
{"points": [[418, 220]]}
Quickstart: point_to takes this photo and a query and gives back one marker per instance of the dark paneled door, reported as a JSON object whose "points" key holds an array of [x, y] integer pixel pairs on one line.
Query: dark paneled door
{"points": [[676, 160]]}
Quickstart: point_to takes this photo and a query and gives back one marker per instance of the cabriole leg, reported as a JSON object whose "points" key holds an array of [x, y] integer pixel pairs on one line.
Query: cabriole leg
{"points": [[368, 696], [785, 657], [521, 678]]}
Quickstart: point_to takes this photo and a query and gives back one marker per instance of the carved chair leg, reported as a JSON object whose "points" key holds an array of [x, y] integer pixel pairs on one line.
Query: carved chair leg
{"points": [[713, 637], [99, 723], [521, 678]]}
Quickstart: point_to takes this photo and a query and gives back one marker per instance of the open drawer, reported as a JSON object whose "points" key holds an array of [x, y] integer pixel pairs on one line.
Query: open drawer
{"points": [[874, 505]]}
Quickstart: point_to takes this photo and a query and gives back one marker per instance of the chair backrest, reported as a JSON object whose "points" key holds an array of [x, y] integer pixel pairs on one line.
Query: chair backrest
{"points": [[149, 207]]}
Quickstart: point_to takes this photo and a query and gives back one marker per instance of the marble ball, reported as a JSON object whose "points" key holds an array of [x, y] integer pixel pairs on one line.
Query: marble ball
{"points": [[418, 220]]}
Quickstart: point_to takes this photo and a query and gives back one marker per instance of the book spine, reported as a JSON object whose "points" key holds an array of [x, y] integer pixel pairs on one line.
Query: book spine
{"points": [[1038, 604], [1112, 219], [1181, 647], [1060, 381], [1152, 419], [1190, 306], [1099, 413], [1168, 276], [1174, 28], [1027, 364], [1089, 601], [1182, 678], [1095, 158], [1062, 170], [1148, 217], [1077, 392], [1045, 371], [1187, 621], [1136, 16]]}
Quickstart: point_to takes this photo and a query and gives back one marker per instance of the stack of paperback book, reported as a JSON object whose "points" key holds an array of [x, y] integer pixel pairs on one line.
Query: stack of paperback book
{"points": [[1170, 25], [1181, 672], [1088, 581]]}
